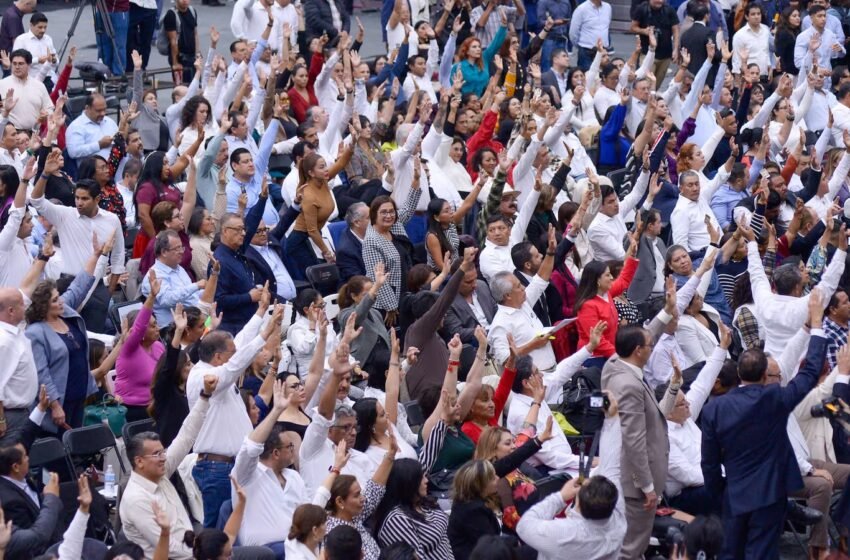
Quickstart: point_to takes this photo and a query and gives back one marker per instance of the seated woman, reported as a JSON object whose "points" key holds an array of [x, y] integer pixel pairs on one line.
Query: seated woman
{"points": [[201, 232], [372, 347], [302, 336], [139, 356], [442, 238], [487, 408], [516, 487], [678, 262], [627, 311], [306, 533], [474, 507], [595, 302]]}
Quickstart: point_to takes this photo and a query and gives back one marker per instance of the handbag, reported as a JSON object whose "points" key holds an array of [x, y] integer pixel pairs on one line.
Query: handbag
{"points": [[109, 411]]}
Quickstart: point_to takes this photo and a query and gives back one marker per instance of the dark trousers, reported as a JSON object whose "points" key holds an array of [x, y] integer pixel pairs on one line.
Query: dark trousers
{"points": [[300, 254], [16, 421], [140, 34], [585, 58], [213, 480], [696, 500], [753, 535], [135, 413], [74, 412]]}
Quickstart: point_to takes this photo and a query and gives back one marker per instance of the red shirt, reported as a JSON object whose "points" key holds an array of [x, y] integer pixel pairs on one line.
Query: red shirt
{"points": [[598, 309], [500, 397]]}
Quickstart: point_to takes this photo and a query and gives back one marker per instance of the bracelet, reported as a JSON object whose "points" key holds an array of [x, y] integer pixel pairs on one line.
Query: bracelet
{"points": [[396, 364], [205, 395], [454, 363], [536, 403], [550, 253], [480, 357], [270, 24], [334, 470], [43, 257]]}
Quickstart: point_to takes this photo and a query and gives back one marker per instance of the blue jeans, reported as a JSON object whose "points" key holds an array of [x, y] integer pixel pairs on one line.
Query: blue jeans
{"points": [[113, 59], [278, 548], [549, 46], [585, 58], [213, 480]]}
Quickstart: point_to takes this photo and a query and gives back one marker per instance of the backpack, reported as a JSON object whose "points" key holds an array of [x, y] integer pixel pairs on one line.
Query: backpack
{"points": [[162, 44], [576, 391]]}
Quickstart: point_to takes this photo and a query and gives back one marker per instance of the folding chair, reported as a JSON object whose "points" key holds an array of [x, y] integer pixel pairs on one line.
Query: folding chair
{"points": [[324, 278], [120, 310], [89, 442], [52, 454], [132, 428]]}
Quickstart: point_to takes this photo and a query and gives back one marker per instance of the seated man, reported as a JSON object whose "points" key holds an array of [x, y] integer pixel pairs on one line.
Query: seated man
{"points": [[502, 236], [177, 287], [349, 255], [597, 525], [92, 132], [473, 306], [273, 489]]}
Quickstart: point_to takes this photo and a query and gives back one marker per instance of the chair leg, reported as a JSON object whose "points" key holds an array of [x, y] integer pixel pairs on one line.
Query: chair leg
{"points": [[803, 546]]}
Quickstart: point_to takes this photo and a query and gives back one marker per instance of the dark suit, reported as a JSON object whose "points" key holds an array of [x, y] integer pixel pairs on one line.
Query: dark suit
{"points": [[548, 307], [319, 19], [695, 39], [550, 83], [644, 278], [349, 255], [262, 270], [460, 317], [745, 431]]}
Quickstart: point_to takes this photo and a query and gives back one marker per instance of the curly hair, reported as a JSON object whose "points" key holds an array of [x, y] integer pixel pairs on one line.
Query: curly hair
{"points": [[41, 297], [686, 156], [463, 51], [187, 117]]}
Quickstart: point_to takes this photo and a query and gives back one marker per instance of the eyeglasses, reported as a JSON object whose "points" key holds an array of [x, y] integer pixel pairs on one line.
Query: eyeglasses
{"points": [[347, 429], [178, 249], [386, 212], [263, 230], [240, 229], [157, 454], [318, 305]]}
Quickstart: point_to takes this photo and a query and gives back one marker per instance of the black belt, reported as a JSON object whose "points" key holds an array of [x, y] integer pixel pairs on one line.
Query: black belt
{"points": [[216, 458]]}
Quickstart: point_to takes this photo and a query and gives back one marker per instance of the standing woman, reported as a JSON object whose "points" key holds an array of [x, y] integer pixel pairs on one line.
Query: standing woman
{"points": [[475, 64], [595, 303], [441, 238], [301, 94], [317, 206], [787, 30], [372, 347], [60, 346], [169, 406], [201, 232], [139, 356], [387, 242]]}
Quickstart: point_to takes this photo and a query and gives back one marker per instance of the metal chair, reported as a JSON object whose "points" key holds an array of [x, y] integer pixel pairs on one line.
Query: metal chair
{"points": [[90, 442], [51, 453], [132, 428]]}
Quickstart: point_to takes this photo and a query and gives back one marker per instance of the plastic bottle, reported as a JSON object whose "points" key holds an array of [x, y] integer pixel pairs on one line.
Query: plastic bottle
{"points": [[109, 480]]}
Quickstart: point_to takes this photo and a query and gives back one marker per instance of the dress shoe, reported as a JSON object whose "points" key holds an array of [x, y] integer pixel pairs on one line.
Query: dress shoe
{"points": [[798, 513]]}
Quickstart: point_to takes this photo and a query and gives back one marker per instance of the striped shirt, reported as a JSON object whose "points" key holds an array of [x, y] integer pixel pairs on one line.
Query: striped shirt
{"points": [[837, 337]]}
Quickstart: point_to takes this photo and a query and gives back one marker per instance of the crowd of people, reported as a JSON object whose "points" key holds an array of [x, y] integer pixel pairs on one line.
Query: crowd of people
{"points": [[369, 309]]}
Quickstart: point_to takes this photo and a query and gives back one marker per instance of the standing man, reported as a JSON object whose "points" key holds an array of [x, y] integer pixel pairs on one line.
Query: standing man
{"points": [[92, 132], [556, 15], [646, 447], [181, 25], [819, 38], [31, 96], [754, 38], [485, 23], [40, 45], [12, 24], [15, 228], [113, 51], [18, 374], [836, 324], [590, 24], [141, 26], [745, 433], [657, 17]]}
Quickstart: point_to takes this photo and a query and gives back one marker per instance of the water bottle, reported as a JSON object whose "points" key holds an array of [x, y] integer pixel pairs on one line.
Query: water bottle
{"points": [[109, 481]]}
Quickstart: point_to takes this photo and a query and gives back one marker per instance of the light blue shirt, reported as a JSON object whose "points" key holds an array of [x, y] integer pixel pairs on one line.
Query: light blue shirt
{"points": [[285, 285], [83, 135], [590, 23], [176, 287], [832, 23], [253, 186], [824, 53]]}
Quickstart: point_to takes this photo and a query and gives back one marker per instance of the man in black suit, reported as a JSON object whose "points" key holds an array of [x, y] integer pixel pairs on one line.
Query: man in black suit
{"points": [[349, 254], [527, 259], [555, 79], [319, 19], [266, 255], [696, 39], [473, 301], [745, 432]]}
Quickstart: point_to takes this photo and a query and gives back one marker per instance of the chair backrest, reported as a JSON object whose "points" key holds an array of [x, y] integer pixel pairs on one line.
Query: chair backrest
{"points": [[121, 310], [332, 306], [323, 277], [50, 452], [90, 440], [132, 428], [134, 279], [336, 229]]}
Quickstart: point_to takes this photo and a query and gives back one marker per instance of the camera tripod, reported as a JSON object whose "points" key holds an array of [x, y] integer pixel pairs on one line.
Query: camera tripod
{"points": [[105, 27]]}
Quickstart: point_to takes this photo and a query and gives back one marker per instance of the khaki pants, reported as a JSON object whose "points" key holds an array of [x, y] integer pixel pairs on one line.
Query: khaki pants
{"points": [[659, 68], [639, 529], [818, 492]]}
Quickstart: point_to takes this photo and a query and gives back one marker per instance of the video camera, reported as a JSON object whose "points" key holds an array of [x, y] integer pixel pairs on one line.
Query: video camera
{"points": [[594, 407], [832, 408]]}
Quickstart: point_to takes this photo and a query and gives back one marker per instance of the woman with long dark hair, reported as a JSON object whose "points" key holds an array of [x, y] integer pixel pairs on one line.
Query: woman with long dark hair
{"points": [[745, 324], [169, 406], [787, 29], [195, 117], [595, 302], [407, 514], [441, 238], [584, 114], [301, 94]]}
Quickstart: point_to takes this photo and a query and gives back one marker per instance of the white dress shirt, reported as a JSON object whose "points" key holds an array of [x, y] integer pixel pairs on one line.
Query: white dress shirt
{"points": [[604, 99], [637, 110], [14, 158], [75, 231], [135, 508], [285, 285], [573, 536], [684, 469], [32, 98], [127, 196], [783, 316], [524, 325], [688, 218], [15, 253], [296, 550], [659, 368], [757, 42], [176, 288], [83, 134], [495, 259], [269, 506], [228, 423], [607, 233], [556, 453], [38, 48], [402, 162], [18, 374], [316, 456]]}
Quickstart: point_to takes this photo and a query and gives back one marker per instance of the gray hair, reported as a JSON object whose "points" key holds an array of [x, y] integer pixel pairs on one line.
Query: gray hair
{"points": [[351, 213], [685, 174], [163, 240], [501, 285], [228, 216], [344, 411], [402, 132], [212, 344]]}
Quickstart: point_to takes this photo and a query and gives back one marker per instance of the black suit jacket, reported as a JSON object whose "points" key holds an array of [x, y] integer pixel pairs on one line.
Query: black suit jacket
{"points": [[695, 39], [550, 83], [318, 18], [461, 320], [548, 307], [262, 271], [349, 255], [745, 431], [17, 506]]}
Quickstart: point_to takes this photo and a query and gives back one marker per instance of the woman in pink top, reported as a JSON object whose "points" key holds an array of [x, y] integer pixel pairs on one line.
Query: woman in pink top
{"points": [[137, 361]]}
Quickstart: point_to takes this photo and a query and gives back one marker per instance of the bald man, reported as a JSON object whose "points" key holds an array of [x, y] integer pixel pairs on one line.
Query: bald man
{"points": [[18, 375]]}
